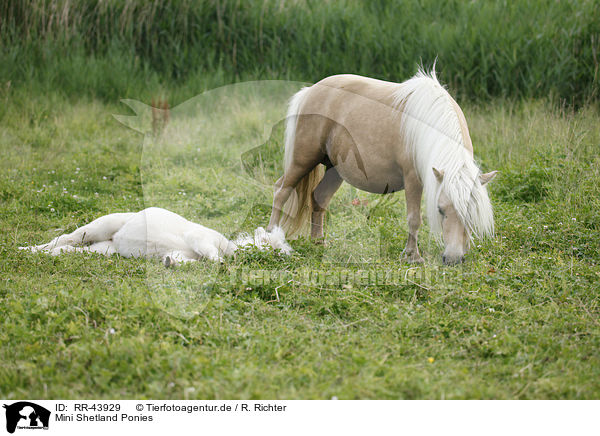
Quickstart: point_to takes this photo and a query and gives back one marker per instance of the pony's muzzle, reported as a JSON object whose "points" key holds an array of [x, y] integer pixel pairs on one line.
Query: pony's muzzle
{"points": [[452, 260]]}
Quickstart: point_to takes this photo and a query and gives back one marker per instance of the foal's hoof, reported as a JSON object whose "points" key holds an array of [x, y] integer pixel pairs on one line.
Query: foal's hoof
{"points": [[169, 262]]}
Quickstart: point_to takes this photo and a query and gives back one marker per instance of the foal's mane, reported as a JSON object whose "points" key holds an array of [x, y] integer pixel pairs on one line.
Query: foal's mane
{"points": [[431, 129]]}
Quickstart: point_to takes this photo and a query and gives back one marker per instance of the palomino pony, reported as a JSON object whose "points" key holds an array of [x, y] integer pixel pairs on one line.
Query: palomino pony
{"points": [[156, 232], [383, 137]]}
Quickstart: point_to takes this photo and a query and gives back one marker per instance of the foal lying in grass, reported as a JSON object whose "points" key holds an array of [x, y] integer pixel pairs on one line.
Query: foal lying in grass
{"points": [[156, 232]]}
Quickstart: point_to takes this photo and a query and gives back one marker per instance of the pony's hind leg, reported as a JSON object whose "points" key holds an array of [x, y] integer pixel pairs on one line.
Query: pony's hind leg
{"points": [[305, 139], [101, 229], [321, 198], [284, 188], [286, 185], [279, 198]]}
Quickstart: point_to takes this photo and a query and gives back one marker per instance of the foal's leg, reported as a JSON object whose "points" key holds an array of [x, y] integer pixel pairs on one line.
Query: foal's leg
{"points": [[321, 197], [106, 248], [101, 229], [175, 258], [209, 251], [203, 245], [413, 190], [65, 249]]}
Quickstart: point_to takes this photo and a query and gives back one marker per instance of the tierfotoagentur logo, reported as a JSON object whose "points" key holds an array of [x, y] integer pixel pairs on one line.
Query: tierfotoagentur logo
{"points": [[24, 415]]}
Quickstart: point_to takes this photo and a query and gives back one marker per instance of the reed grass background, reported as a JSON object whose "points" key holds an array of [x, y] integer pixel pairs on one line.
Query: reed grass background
{"points": [[121, 48]]}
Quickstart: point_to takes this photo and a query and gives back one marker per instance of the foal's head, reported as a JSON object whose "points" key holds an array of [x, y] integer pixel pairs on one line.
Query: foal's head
{"points": [[457, 220]]}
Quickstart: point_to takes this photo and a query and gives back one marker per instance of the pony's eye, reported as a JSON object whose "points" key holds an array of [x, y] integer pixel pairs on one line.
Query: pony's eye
{"points": [[440, 211]]}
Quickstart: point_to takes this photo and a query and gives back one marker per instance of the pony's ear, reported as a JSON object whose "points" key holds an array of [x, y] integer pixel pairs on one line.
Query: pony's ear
{"points": [[439, 174], [487, 177]]}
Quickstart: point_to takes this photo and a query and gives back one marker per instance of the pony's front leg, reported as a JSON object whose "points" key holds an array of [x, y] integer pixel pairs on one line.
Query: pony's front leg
{"points": [[413, 191]]}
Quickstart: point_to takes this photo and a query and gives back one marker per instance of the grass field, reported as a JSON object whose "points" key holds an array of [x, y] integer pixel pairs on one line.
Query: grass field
{"points": [[520, 319]]}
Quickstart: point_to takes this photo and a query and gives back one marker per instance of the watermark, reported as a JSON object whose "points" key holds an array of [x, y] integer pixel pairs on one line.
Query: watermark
{"points": [[218, 158], [337, 278]]}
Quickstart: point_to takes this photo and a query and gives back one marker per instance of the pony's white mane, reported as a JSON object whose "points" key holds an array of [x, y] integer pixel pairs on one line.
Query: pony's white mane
{"points": [[431, 129]]}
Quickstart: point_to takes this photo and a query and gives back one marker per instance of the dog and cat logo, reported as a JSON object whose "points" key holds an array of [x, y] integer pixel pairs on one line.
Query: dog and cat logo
{"points": [[26, 415]]}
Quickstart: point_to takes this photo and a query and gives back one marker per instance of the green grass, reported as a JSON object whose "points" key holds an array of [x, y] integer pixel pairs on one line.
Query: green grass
{"points": [[518, 320], [116, 48]]}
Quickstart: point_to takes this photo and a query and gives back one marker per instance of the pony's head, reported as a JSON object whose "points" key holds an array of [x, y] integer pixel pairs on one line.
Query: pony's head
{"points": [[463, 211], [435, 129]]}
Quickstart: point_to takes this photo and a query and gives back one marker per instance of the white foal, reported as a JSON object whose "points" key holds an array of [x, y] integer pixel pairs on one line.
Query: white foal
{"points": [[156, 232]]}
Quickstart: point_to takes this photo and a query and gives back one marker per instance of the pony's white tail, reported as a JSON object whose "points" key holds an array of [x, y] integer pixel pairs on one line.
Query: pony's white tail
{"points": [[297, 210]]}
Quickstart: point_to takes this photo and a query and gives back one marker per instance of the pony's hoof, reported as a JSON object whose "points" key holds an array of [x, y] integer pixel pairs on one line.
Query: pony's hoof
{"points": [[412, 258], [319, 241]]}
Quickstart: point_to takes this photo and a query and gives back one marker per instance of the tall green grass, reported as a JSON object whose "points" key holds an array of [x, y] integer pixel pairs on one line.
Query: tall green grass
{"points": [[117, 48]]}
